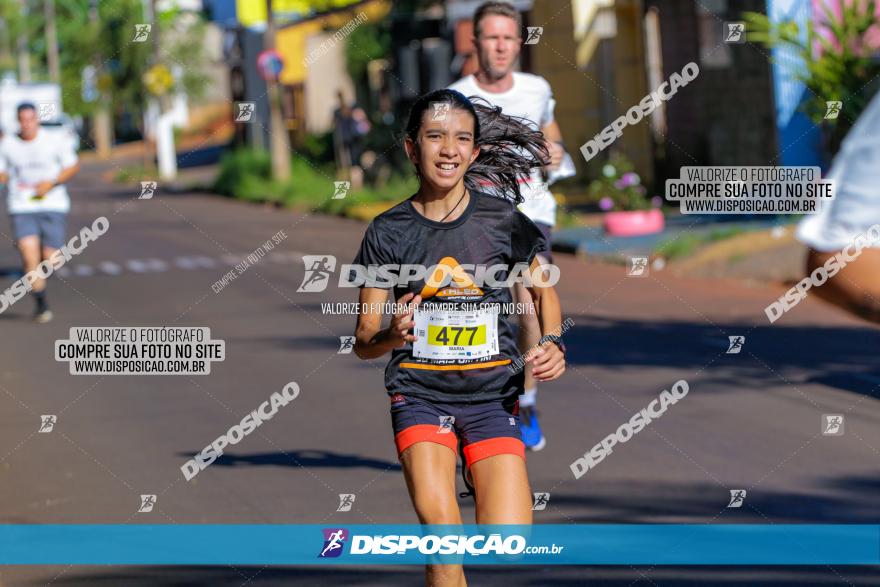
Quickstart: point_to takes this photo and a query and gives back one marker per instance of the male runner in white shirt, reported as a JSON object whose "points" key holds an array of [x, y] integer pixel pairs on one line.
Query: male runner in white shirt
{"points": [[35, 166], [498, 39]]}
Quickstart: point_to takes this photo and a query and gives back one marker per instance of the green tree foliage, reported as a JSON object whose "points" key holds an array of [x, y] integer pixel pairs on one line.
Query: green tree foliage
{"points": [[365, 43], [106, 42], [837, 57]]}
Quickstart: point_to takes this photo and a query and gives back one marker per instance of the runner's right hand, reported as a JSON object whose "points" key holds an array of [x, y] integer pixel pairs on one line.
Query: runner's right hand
{"points": [[402, 322], [556, 154]]}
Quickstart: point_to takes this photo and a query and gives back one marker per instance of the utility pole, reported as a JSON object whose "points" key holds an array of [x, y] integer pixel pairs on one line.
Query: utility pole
{"points": [[102, 128], [278, 139], [21, 45], [5, 48], [166, 154], [51, 41]]}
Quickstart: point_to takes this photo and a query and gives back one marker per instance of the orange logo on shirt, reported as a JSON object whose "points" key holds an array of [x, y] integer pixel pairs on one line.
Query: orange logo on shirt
{"points": [[461, 284]]}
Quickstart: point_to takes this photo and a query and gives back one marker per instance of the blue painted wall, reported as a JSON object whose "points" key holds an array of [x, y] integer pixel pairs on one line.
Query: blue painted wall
{"points": [[799, 139]]}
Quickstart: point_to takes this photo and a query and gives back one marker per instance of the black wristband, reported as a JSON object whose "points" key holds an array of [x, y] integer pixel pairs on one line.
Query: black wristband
{"points": [[557, 340]]}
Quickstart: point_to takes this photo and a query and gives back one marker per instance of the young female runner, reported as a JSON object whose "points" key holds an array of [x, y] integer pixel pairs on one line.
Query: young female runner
{"points": [[451, 377]]}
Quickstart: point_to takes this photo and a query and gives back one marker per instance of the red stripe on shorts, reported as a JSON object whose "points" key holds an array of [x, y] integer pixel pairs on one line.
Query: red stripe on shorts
{"points": [[424, 433], [501, 445]]}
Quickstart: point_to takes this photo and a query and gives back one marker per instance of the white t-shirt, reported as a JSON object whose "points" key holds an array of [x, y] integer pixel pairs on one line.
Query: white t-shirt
{"points": [[30, 162], [856, 176], [531, 98]]}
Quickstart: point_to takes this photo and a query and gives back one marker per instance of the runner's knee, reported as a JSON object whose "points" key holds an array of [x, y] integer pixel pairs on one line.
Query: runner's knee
{"points": [[29, 248], [437, 507]]}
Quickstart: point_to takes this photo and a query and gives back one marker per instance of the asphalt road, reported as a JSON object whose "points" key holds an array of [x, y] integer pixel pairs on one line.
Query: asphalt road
{"points": [[750, 421]]}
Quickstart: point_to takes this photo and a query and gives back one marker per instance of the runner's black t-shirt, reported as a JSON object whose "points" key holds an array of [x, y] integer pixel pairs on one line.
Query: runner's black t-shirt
{"points": [[491, 231]]}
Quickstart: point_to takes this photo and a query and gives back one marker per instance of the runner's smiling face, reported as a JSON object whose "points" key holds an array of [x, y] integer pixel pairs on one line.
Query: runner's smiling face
{"points": [[443, 148]]}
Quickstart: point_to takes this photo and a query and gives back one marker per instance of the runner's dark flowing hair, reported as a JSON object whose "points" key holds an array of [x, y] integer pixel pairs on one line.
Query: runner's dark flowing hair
{"points": [[509, 147]]}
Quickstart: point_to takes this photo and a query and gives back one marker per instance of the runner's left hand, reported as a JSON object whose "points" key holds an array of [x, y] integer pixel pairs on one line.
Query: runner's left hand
{"points": [[548, 362]]}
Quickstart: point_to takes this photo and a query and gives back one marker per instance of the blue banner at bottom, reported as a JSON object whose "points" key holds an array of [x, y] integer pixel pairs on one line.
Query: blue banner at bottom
{"points": [[569, 544]]}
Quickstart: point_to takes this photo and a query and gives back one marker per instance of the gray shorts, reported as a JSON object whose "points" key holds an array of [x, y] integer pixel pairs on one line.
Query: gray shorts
{"points": [[49, 226]]}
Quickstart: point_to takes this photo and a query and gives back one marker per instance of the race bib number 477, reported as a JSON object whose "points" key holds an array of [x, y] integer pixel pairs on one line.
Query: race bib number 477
{"points": [[453, 334]]}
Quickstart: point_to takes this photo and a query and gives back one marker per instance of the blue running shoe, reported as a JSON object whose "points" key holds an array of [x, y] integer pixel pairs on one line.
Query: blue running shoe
{"points": [[532, 436]]}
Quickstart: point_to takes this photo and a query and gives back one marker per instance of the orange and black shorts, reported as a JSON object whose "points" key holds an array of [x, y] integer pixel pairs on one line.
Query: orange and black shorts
{"points": [[485, 428]]}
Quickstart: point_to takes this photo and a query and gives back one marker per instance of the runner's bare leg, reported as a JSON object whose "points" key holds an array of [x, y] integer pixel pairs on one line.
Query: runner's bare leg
{"points": [[429, 470]]}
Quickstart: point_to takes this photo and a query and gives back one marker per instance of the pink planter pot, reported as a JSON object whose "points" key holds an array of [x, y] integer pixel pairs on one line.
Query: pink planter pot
{"points": [[634, 223]]}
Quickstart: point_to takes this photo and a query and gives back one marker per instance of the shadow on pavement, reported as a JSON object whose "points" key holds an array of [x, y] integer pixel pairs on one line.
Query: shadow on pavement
{"points": [[844, 358], [13, 272], [201, 155], [301, 458], [862, 383], [849, 500]]}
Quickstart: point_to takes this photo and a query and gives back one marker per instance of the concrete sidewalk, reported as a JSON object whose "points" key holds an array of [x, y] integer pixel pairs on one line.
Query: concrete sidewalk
{"points": [[593, 242]]}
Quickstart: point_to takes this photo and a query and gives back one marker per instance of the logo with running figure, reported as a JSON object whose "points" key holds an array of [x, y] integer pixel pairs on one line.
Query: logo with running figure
{"points": [[832, 424], [141, 33], [446, 423], [346, 500], [638, 267], [540, 502], [334, 542], [832, 109], [735, 32], [535, 191], [147, 503], [340, 189], [47, 423], [439, 110], [318, 271], [737, 497], [346, 345], [533, 35], [148, 188], [736, 344], [47, 111], [245, 111]]}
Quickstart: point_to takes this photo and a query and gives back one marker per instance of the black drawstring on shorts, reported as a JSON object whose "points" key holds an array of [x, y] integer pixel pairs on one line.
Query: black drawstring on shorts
{"points": [[464, 475]]}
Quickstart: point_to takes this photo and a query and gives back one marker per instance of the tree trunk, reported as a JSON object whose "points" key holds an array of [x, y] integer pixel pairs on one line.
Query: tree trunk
{"points": [[51, 42], [279, 142], [103, 133], [21, 46]]}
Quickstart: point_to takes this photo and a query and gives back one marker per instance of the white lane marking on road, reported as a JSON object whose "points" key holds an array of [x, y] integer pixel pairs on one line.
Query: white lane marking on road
{"points": [[155, 265], [99, 208], [110, 267], [232, 260], [146, 266], [195, 262], [284, 256]]}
